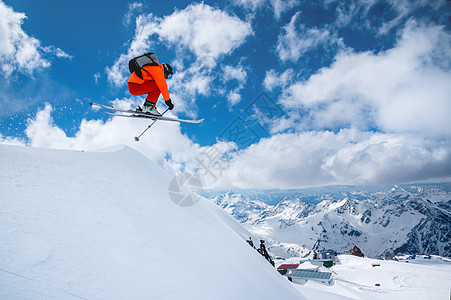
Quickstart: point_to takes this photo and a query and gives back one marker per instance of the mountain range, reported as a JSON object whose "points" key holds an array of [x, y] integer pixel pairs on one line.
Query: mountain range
{"points": [[404, 219]]}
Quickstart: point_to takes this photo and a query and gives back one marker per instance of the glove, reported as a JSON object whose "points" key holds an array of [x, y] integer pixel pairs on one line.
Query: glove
{"points": [[169, 104]]}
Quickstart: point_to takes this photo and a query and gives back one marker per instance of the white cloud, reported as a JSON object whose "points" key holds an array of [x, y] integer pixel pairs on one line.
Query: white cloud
{"points": [[292, 160], [97, 76], [187, 84], [164, 143], [233, 97], [326, 158], [359, 14], [141, 43], [252, 5], [280, 6], [12, 141], [296, 40], [234, 73], [238, 74], [404, 89], [347, 11], [277, 6], [206, 32], [56, 51], [19, 51], [274, 79], [161, 139], [133, 8], [401, 92], [404, 10]]}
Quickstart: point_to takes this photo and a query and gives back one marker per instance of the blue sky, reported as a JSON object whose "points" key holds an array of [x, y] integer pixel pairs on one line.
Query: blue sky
{"points": [[294, 93]]}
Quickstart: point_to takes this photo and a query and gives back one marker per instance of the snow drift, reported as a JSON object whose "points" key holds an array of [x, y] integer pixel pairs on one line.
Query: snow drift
{"points": [[101, 225]]}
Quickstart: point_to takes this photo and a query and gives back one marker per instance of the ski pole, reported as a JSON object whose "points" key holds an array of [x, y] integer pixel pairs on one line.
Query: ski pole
{"points": [[137, 137]]}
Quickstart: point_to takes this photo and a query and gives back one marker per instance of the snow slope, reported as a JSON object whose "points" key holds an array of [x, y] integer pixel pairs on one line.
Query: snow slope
{"points": [[101, 225]]}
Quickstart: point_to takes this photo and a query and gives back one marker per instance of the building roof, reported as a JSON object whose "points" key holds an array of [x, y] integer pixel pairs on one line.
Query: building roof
{"points": [[305, 274], [288, 266]]}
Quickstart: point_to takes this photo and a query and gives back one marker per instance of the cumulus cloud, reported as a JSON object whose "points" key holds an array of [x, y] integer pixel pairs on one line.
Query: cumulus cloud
{"points": [[164, 143], [187, 84], [164, 139], [367, 118], [289, 160], [204, 31], [349, 156], [141, 43], [403, 89], [207, 32], [19, 51], [11, 141]]}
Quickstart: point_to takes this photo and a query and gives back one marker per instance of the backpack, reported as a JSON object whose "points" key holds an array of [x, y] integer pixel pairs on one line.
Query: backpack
{"points": [[138, 63]]}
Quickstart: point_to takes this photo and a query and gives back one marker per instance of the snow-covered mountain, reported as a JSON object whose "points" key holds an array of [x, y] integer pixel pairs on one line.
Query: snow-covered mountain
{"points": [[402, 220], [101, 225]]}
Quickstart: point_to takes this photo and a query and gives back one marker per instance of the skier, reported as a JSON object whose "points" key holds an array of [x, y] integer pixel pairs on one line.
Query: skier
{"points": [[265, 253], [152, 83], [251, 242], [263, 250]]}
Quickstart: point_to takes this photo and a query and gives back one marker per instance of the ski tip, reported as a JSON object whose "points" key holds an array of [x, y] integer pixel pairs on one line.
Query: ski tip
{"points": [[94, 104]]}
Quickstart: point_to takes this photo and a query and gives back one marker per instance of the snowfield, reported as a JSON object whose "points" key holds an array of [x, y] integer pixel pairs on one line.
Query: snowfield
{"points": [[101, 225], [356, 278], [414, 279]]}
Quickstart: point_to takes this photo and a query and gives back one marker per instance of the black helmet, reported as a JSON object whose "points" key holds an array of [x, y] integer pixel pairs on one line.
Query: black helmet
{"points": [[167, 70]]}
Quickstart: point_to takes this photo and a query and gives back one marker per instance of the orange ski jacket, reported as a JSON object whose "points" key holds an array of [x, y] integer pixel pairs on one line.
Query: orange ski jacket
{"points": [[155, 73]]}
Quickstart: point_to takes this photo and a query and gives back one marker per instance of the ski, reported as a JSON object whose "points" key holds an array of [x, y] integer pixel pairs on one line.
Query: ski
{"points": [[114, 108], [129, 113], [138, 115]]}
